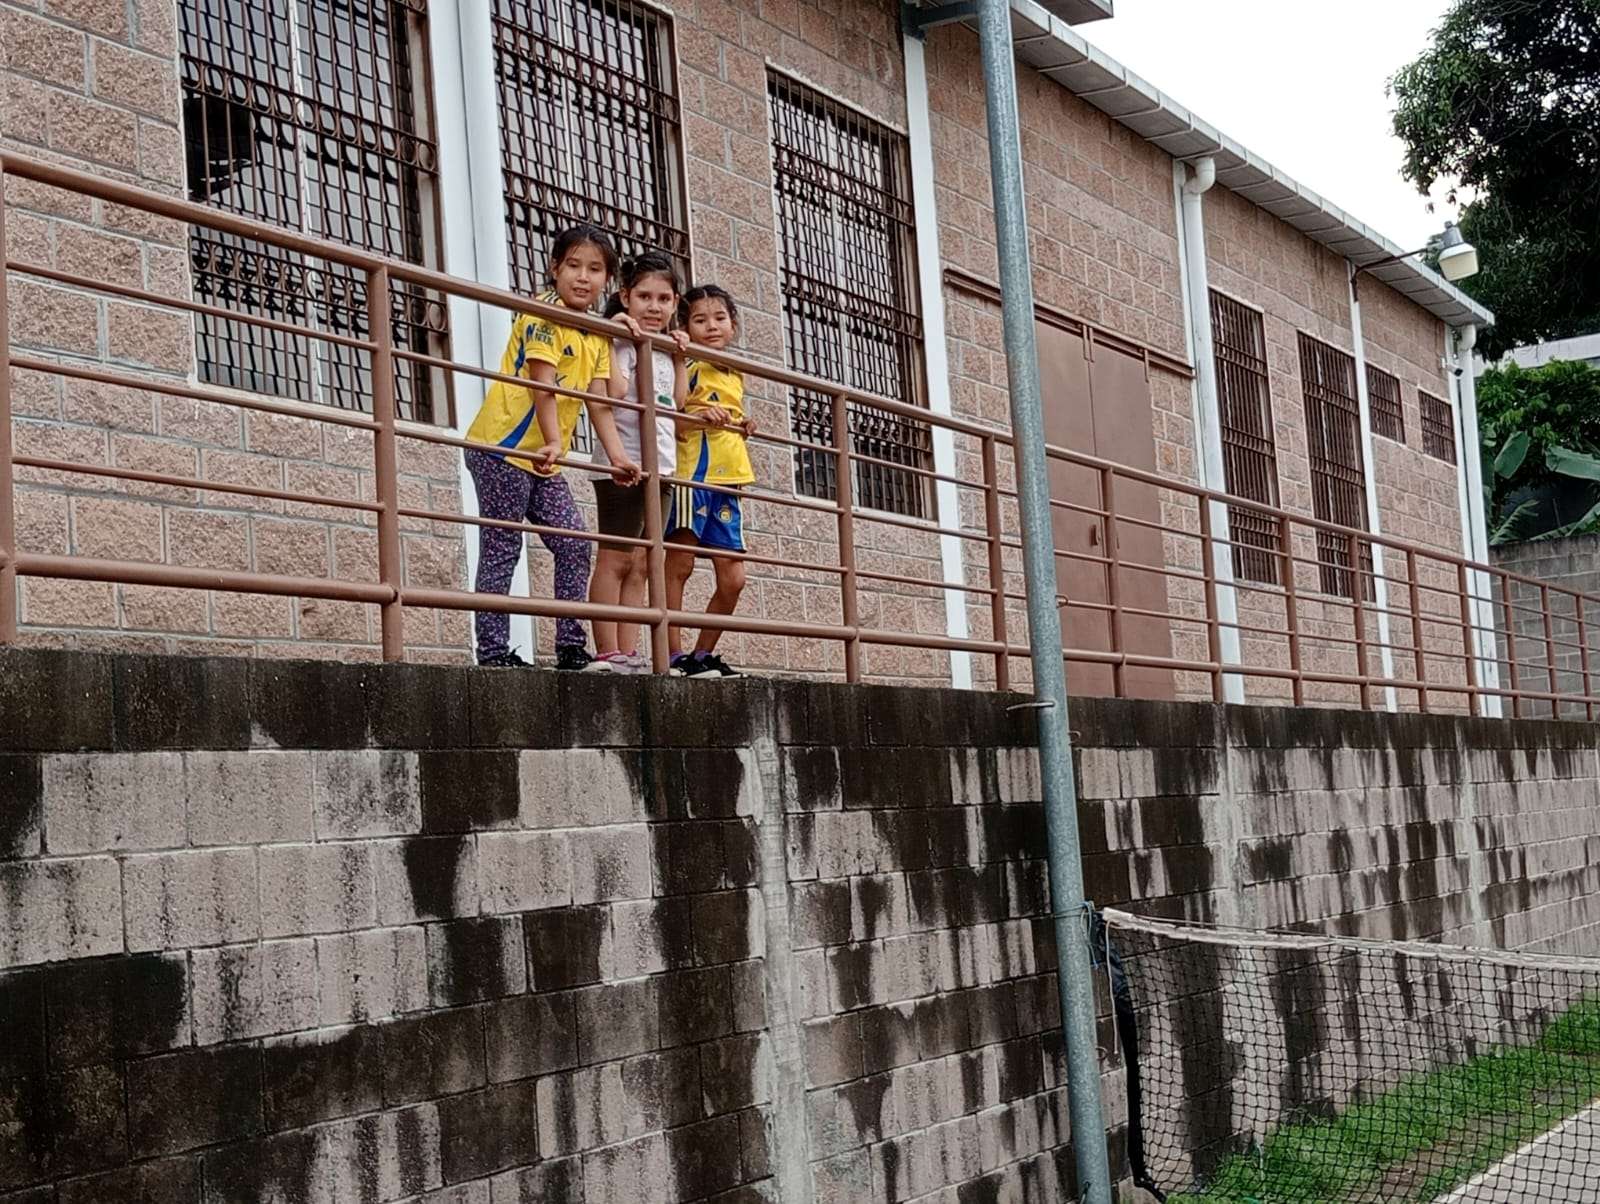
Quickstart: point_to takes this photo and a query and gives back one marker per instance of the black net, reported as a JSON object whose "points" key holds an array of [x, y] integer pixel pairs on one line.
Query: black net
{"points": [[1287, 1068]]}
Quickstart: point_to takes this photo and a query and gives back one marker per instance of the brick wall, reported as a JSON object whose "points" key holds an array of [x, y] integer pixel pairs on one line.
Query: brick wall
{"points": [[337, 932], [94, 85], [1571, 564]]}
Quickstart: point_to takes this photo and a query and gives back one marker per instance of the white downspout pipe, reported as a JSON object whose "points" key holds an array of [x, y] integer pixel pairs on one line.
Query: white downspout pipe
{"points": [[1474, 521], [1374, 521], [1193, 183]]}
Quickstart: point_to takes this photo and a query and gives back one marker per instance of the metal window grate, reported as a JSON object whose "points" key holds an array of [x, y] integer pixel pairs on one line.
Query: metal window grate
{"points": [[1338, 479], [849, 279], [1249, 453], [1383, 399], [1438, 427], [589, 132], [312, 116]]}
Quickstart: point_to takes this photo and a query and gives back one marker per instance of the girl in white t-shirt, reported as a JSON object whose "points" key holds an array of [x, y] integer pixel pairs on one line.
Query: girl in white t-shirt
{"points": [[647, 301]]}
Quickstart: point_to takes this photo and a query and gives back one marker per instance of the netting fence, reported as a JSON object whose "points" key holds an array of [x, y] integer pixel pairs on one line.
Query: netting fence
{"points": [[1284, 1068]]}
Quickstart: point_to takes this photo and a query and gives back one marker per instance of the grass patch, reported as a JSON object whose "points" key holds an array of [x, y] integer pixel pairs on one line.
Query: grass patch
{"points": [[1436, 1129]]}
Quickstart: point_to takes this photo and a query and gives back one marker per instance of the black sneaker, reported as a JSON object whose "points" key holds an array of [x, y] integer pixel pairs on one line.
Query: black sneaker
{"points": [[574, 658], [702, 664], [506, 660]]}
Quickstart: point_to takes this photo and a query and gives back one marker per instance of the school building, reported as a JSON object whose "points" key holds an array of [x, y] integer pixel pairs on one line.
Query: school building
{"points": [[828, 163]]}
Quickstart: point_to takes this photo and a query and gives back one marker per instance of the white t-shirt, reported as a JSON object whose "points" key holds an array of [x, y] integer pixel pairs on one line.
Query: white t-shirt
{"points": [[624, 357]]}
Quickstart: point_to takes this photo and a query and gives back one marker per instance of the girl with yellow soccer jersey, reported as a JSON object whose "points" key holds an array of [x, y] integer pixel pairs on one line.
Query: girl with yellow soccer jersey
{"points": [[715, 453], [539, 424]]}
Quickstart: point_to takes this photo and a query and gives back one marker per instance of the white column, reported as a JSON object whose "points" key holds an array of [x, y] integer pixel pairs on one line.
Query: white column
{"points": [[1196, 293], [935, 351], [472, 215], [1374, 523], [1473, 520]]}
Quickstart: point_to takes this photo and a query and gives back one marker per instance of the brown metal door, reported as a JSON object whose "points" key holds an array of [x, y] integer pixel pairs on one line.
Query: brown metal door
{"points": [[1069, 422]]}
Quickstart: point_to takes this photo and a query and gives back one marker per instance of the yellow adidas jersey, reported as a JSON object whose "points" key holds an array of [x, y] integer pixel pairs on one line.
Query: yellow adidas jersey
{"points": [[708, 453], [580, 358]]}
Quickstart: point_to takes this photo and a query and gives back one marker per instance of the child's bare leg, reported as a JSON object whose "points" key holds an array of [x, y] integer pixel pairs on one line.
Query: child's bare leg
{"points": [[730, 584], [605, 589], [680, 567], [633, 593]]}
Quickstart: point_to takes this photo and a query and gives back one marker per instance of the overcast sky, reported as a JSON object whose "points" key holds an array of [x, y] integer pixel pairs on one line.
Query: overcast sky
{"points": [[1299, 83]]}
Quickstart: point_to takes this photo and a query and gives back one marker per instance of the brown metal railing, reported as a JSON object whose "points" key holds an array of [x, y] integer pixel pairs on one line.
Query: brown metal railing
{"points": [[1441, 633]]}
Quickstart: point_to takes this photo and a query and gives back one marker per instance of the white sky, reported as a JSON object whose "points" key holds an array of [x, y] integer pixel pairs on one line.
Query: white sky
{"points": [[1299, 82]]}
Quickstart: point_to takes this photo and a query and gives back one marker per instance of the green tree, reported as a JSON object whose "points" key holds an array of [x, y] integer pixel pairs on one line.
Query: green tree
{"points": [[1506, 103], [1540, 431]]}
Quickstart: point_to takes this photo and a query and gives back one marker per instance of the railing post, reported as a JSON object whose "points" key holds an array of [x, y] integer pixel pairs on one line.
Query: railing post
{"points": [[1291, 607], [644, 388], [844, 496], [380, 327], [1511, 645], [1358, 610], [997, 563], [1419, 659], [1468, 644], [1583, 656], [8, 513], [1108, 502], [1550, 651], [1213, 633]]}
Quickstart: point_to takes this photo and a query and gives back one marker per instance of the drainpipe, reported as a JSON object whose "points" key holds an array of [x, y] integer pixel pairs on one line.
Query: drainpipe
{"points": [[1197, 179], [1474, 519], [1380, 584], [1044, 621]]}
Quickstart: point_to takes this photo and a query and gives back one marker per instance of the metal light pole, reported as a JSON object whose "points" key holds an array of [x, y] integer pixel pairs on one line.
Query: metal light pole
{"points": [[1044, 622]]}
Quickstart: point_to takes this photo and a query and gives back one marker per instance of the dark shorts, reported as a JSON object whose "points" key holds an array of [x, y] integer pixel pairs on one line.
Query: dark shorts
{"points": [[619, 511], [715, 519]]}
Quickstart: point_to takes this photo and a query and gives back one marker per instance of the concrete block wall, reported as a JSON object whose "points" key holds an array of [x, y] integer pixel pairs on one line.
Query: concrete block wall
{"points": [[1571, 564], [338, 932]]}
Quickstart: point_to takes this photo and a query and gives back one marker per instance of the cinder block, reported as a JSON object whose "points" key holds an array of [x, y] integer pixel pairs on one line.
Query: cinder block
{"points": [[254, 797], [97, 802], [107, 1009], [611, 863], [550, 1182], [648, 936], [435, 1054], [629, 1171], [579, 787], [749, 986], [661, 1090], [253, 990], [372, 975], [317, 1076], [700, 1157], [833, 1051], [385, 1156], [182, 1101], [580, 1110], [79, 1112], [729, 926], [186, 900], [21, 807], [570, 947], [426, 878], [487, 1131], [522, 871], [55, 909], [529, 1035], [616, 1020], [366, 793], [165, 1181], [474, 959], [311, 888]]}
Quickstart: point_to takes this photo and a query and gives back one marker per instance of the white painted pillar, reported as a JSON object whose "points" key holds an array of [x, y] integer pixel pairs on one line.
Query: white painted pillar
{"points": [[947, 500], [1374, 522], [472, 214], [1473, 520], [1194, 273]]}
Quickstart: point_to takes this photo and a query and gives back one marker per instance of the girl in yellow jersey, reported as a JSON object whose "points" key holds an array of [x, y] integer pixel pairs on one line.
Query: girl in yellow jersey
{"points": [[715, 453], [539, 424]]}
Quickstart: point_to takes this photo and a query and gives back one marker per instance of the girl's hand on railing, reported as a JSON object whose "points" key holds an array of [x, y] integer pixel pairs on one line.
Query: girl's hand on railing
{"points": [[681, 338], [715, 416], [544, 458], [632, 324], [748, 428], [628, 473]]}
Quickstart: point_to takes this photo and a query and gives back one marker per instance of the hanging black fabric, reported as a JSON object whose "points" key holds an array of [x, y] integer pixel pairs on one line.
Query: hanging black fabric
{"points": [[1104, 954]]}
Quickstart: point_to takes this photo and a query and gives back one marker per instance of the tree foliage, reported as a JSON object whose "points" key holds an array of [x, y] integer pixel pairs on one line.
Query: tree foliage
{"points": [[1507, 102], [1540, 435]]}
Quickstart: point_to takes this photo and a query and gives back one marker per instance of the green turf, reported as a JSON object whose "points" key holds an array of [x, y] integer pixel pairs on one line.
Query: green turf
{"points": [[1460, 1119]]}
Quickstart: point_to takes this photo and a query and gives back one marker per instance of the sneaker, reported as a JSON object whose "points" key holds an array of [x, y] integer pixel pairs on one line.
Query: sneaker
{"points": [[506, 660], [618, 662], [721, 667], [702, 664], [575, 658], [638, 663]]}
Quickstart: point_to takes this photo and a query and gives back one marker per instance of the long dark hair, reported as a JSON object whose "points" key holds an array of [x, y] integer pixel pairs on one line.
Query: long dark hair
{"points": [[649, 263], [574, 237], [707, 292]]}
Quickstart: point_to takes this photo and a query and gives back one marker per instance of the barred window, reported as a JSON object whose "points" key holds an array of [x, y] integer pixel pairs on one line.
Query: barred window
{"points": [[1383, 398], [849, 280], [589, 132], [311, 115], [1438, 427], [1338, 478], [1249, 453]]}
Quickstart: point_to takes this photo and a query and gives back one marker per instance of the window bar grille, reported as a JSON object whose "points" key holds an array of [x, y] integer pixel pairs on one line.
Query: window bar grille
{"points": [[848, 269], [1249, 451], [313, 117], [1338, 479], [1438, 427], [1383, 397]]}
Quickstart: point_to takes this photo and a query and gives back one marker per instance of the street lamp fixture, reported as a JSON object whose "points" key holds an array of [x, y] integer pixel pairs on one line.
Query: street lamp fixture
{"points": [[1458, 259]]}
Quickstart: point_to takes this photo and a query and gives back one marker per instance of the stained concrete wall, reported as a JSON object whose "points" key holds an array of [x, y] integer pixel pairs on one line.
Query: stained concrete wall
{"points": [[335, 932]]}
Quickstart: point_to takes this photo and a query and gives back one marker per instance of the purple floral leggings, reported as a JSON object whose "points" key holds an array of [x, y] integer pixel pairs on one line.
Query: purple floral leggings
{"points": [[509, 493]]}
